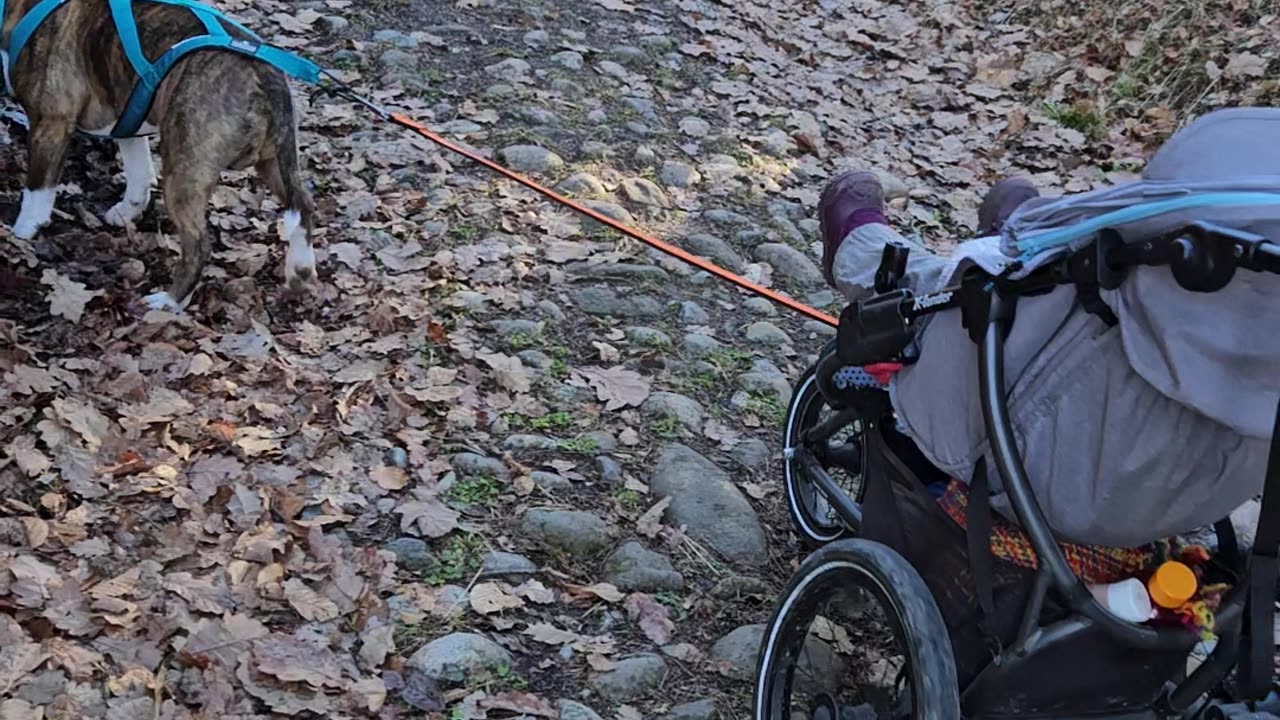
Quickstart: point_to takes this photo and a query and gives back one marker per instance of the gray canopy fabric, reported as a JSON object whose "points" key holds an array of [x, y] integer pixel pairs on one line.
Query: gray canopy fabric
{"points": [[1155, 427]]}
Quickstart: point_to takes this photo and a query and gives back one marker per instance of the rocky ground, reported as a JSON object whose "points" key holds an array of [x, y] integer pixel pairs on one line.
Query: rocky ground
{"points": [[504, 463]]}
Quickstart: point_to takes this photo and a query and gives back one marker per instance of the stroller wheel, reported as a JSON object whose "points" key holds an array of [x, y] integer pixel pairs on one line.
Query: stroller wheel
{"points": [[813, 516], [856, 635]]}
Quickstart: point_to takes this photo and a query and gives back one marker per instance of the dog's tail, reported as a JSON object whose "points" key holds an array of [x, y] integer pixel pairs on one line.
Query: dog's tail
{"points": [[282, 171]]}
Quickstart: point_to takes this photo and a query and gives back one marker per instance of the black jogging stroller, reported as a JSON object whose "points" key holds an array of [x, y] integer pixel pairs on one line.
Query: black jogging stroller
{"points": [[989, 618]]}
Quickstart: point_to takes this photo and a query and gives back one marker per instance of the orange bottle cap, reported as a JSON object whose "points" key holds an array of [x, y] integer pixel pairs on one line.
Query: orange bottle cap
{"points": [[1172, 585]]}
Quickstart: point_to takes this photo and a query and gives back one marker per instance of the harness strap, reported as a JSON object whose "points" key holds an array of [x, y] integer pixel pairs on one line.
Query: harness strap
{"points": [[27, 26], [139, 104]]}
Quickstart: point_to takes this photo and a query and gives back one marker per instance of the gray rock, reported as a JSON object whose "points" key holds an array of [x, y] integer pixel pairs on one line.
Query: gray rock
{"points": [[751, 453], [644, 192], [536, 115], [395, 59], [822, 330], [764, 332], [507, 565], [821, 298], [551, 310], [334, 24], [736, 587], [685, 409], [790, 263], [726, 217], [499, 90], [679, 175], [549, 481], [648, 336], [713, 509], [698, 710], [741, 649], [507, 328], [698, 345], [460, 127], [643, 106], [636, 128], [412, 554], [536, 38], [606, 301], [597, 116], [595, 149], [630, 678], [774, 384], [695, 127], [622, 271], [609, 209], [570, 710], [633, 567], [397, 457], [760, 306], [568, 59], [568, 88], [584, 185], [609, 469], [530, 158], [603, 439], [710, 246], [691, 313], [395, 37], [612, 69], [509, 69], [657, 43], [629, 54], [644, 156], [580, 533], [475, 465], [452, 658], [535, 359], [529, 442], [778, 143], [347, 57]]}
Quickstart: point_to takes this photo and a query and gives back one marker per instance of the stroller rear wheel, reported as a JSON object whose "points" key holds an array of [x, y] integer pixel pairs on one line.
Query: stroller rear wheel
{"points": [[813, 516], [856, 635]]}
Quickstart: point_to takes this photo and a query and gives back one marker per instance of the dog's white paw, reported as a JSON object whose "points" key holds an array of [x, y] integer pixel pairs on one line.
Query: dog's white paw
{"points": [[122, 213], [26, 229], [300, 265], [162, 301]]}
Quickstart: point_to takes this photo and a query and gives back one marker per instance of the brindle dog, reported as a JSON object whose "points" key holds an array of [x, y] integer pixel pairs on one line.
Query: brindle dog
{"points": [[215, 111]]}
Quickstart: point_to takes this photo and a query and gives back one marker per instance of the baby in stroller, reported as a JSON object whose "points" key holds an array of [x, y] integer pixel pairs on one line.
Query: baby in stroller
{"points": [[1100, 371], [1143, 412]]}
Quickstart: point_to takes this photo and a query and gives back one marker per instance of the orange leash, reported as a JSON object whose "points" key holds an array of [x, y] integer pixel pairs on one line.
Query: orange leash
{"points": [[668, 248]]}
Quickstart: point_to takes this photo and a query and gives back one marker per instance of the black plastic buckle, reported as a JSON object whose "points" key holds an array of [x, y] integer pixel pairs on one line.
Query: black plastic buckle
{"points": [[874, 330], [893, 267]]}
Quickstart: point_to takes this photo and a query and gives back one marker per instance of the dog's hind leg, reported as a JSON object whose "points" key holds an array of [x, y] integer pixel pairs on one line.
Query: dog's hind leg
{"points": [[300, 256], [139, 174], [187, 190], [47, 144]]}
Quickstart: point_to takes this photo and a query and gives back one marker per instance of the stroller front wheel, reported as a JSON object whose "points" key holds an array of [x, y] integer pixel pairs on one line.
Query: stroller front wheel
{"points": [[826, 650], [814, 517]]}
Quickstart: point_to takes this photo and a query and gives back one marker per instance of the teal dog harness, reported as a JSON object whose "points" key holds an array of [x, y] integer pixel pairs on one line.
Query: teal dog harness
{"points": [[151, 74]]}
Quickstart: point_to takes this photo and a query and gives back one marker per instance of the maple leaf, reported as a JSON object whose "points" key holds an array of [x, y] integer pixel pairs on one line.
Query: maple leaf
{"points": [[292, 660], [487, 598], [67, 298], [310, 604], [508, 371], [430, 517], [617, 387], [653, 617], [29, 459], [17, 661]]}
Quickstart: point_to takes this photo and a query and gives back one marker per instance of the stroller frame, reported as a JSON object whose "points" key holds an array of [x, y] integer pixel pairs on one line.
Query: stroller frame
{"points": [[1202, 258]]}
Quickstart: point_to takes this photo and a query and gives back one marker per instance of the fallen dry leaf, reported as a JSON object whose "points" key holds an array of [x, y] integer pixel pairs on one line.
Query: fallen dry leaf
{"points": [[67, 298], [487, 598], [310, 604], [616, 387], [650, 523], [653, 617]]}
